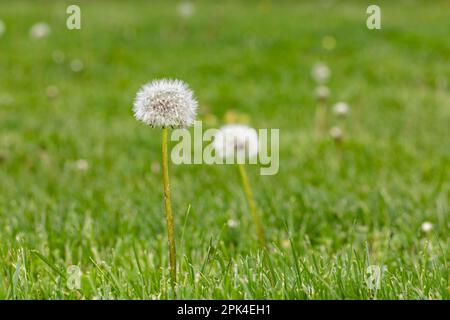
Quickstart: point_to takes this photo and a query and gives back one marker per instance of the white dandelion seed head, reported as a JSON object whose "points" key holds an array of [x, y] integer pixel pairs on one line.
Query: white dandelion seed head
{"points": [[426, 226], [322, 92], [76, 65], [2, 28], [40, 30], [165, 103], [82, 165], [236, 140], [232, 223], [320, 72], [341, 109], [336, 133], [185, 9]]}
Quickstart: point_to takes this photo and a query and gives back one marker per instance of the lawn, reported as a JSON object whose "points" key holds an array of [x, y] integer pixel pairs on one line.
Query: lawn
{"points": [[80, 178]]}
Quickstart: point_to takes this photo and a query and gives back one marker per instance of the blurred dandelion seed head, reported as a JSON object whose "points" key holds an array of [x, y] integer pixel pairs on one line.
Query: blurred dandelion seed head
{"points": [[322, 92], [2, 28], [236, 139], [76, 65], [82, 165], [341, 109], [336, 133], [40, 30], [185, 9], [232, 223], [165, 103], [320, 72], [426, 226]]}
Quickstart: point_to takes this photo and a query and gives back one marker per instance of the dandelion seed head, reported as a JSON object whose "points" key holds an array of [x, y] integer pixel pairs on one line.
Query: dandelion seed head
{"points": [[320, 72], [341, 109], [336, 133], [322, 92], [82, 165], [76, 65], [236, 139], [40, 30], [426, 226], [232, 223], [165, 103], [2, 28], [185, 9]]}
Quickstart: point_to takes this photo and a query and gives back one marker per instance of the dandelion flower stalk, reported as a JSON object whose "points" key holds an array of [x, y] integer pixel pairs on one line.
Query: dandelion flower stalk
{"points": [[168, 207], [166, 103], [251, 203], [240, 142]]}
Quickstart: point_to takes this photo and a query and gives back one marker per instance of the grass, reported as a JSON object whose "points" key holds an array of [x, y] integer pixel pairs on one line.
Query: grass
{"points": [[326, 220]]}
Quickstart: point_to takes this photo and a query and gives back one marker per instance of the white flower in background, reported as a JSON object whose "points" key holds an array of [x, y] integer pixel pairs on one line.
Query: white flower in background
{"points": [[185, 9], [76, 65], [82, 165], [40, 30], [58, 56], [320, 72], [236, 140], [2, 28], [232, 223], [427, 226], [52, 91], [341, 109], [322, 92], [336, 133], [165, 103]]}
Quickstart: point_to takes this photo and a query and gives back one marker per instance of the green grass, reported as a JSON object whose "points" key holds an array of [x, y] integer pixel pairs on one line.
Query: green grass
{"points": [[326, 220]]}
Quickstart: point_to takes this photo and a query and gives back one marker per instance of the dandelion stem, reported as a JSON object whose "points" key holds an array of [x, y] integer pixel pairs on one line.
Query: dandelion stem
{"points": [[252, 204], [321, 118], [168, 207]]}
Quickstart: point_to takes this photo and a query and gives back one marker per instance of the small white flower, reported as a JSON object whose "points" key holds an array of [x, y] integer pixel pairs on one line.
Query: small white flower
{"points": [[58, 56], [427, 226], [40, 30], [165, 103], [336, 133], [76, 65], [2, 28], [322, 92], [82, 164], [232, 223], [185, 9], [320, 72], [341, 109], [236, 140]]}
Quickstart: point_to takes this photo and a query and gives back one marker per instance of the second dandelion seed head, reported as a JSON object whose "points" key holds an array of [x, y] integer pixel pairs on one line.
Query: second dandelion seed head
{"points": [[236, 139]]}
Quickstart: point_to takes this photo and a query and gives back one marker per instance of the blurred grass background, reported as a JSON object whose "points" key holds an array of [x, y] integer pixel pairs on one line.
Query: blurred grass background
{"points": [[80, 182]]}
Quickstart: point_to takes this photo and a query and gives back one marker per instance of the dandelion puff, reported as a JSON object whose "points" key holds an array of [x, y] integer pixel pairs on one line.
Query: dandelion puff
{"points": [[76, 65], [341, 109], [236, 140], [185, 9], [82, 165], [165, 103], [320, 72], [2, 28], [232, 223], [426, 226], [322, 92], [40, 30], [336, 133]]}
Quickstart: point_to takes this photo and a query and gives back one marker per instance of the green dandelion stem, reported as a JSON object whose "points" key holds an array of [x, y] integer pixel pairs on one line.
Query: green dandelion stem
{"points": [[168, 207], [252, 204]]}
